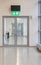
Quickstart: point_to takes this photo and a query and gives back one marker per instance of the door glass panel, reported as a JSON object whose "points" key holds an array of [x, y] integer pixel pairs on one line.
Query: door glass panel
{"points": [[21, 31], [9, 31], [39, 27], [40, 37]]}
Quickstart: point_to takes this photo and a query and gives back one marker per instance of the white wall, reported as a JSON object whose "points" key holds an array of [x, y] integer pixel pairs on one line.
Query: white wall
{"points": [[25, 11], [34, 26]]}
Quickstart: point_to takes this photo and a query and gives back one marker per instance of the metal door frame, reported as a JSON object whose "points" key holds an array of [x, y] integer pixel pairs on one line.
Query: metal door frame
{"points": [[16, 29]]}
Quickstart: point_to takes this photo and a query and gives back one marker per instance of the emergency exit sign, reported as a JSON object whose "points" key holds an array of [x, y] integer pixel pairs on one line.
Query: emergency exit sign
{"points": [[15, 10]]}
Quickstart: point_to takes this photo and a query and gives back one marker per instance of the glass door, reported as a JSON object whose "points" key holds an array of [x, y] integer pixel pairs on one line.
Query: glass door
{"points": [[22, 31], [9, 31], [16, 31]]}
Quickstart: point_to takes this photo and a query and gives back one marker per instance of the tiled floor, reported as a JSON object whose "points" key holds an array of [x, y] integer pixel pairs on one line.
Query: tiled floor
{"points": [[19, 56]]}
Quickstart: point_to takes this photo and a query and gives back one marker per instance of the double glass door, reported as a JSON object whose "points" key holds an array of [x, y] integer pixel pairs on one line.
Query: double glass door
{"points": [[15, 31]]}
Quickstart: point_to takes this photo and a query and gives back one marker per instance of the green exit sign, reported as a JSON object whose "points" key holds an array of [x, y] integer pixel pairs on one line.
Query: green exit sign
{"points": [[15, 13]]}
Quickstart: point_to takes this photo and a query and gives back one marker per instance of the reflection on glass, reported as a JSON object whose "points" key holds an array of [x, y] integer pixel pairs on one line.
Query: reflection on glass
{"points": [[20, 29]]}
